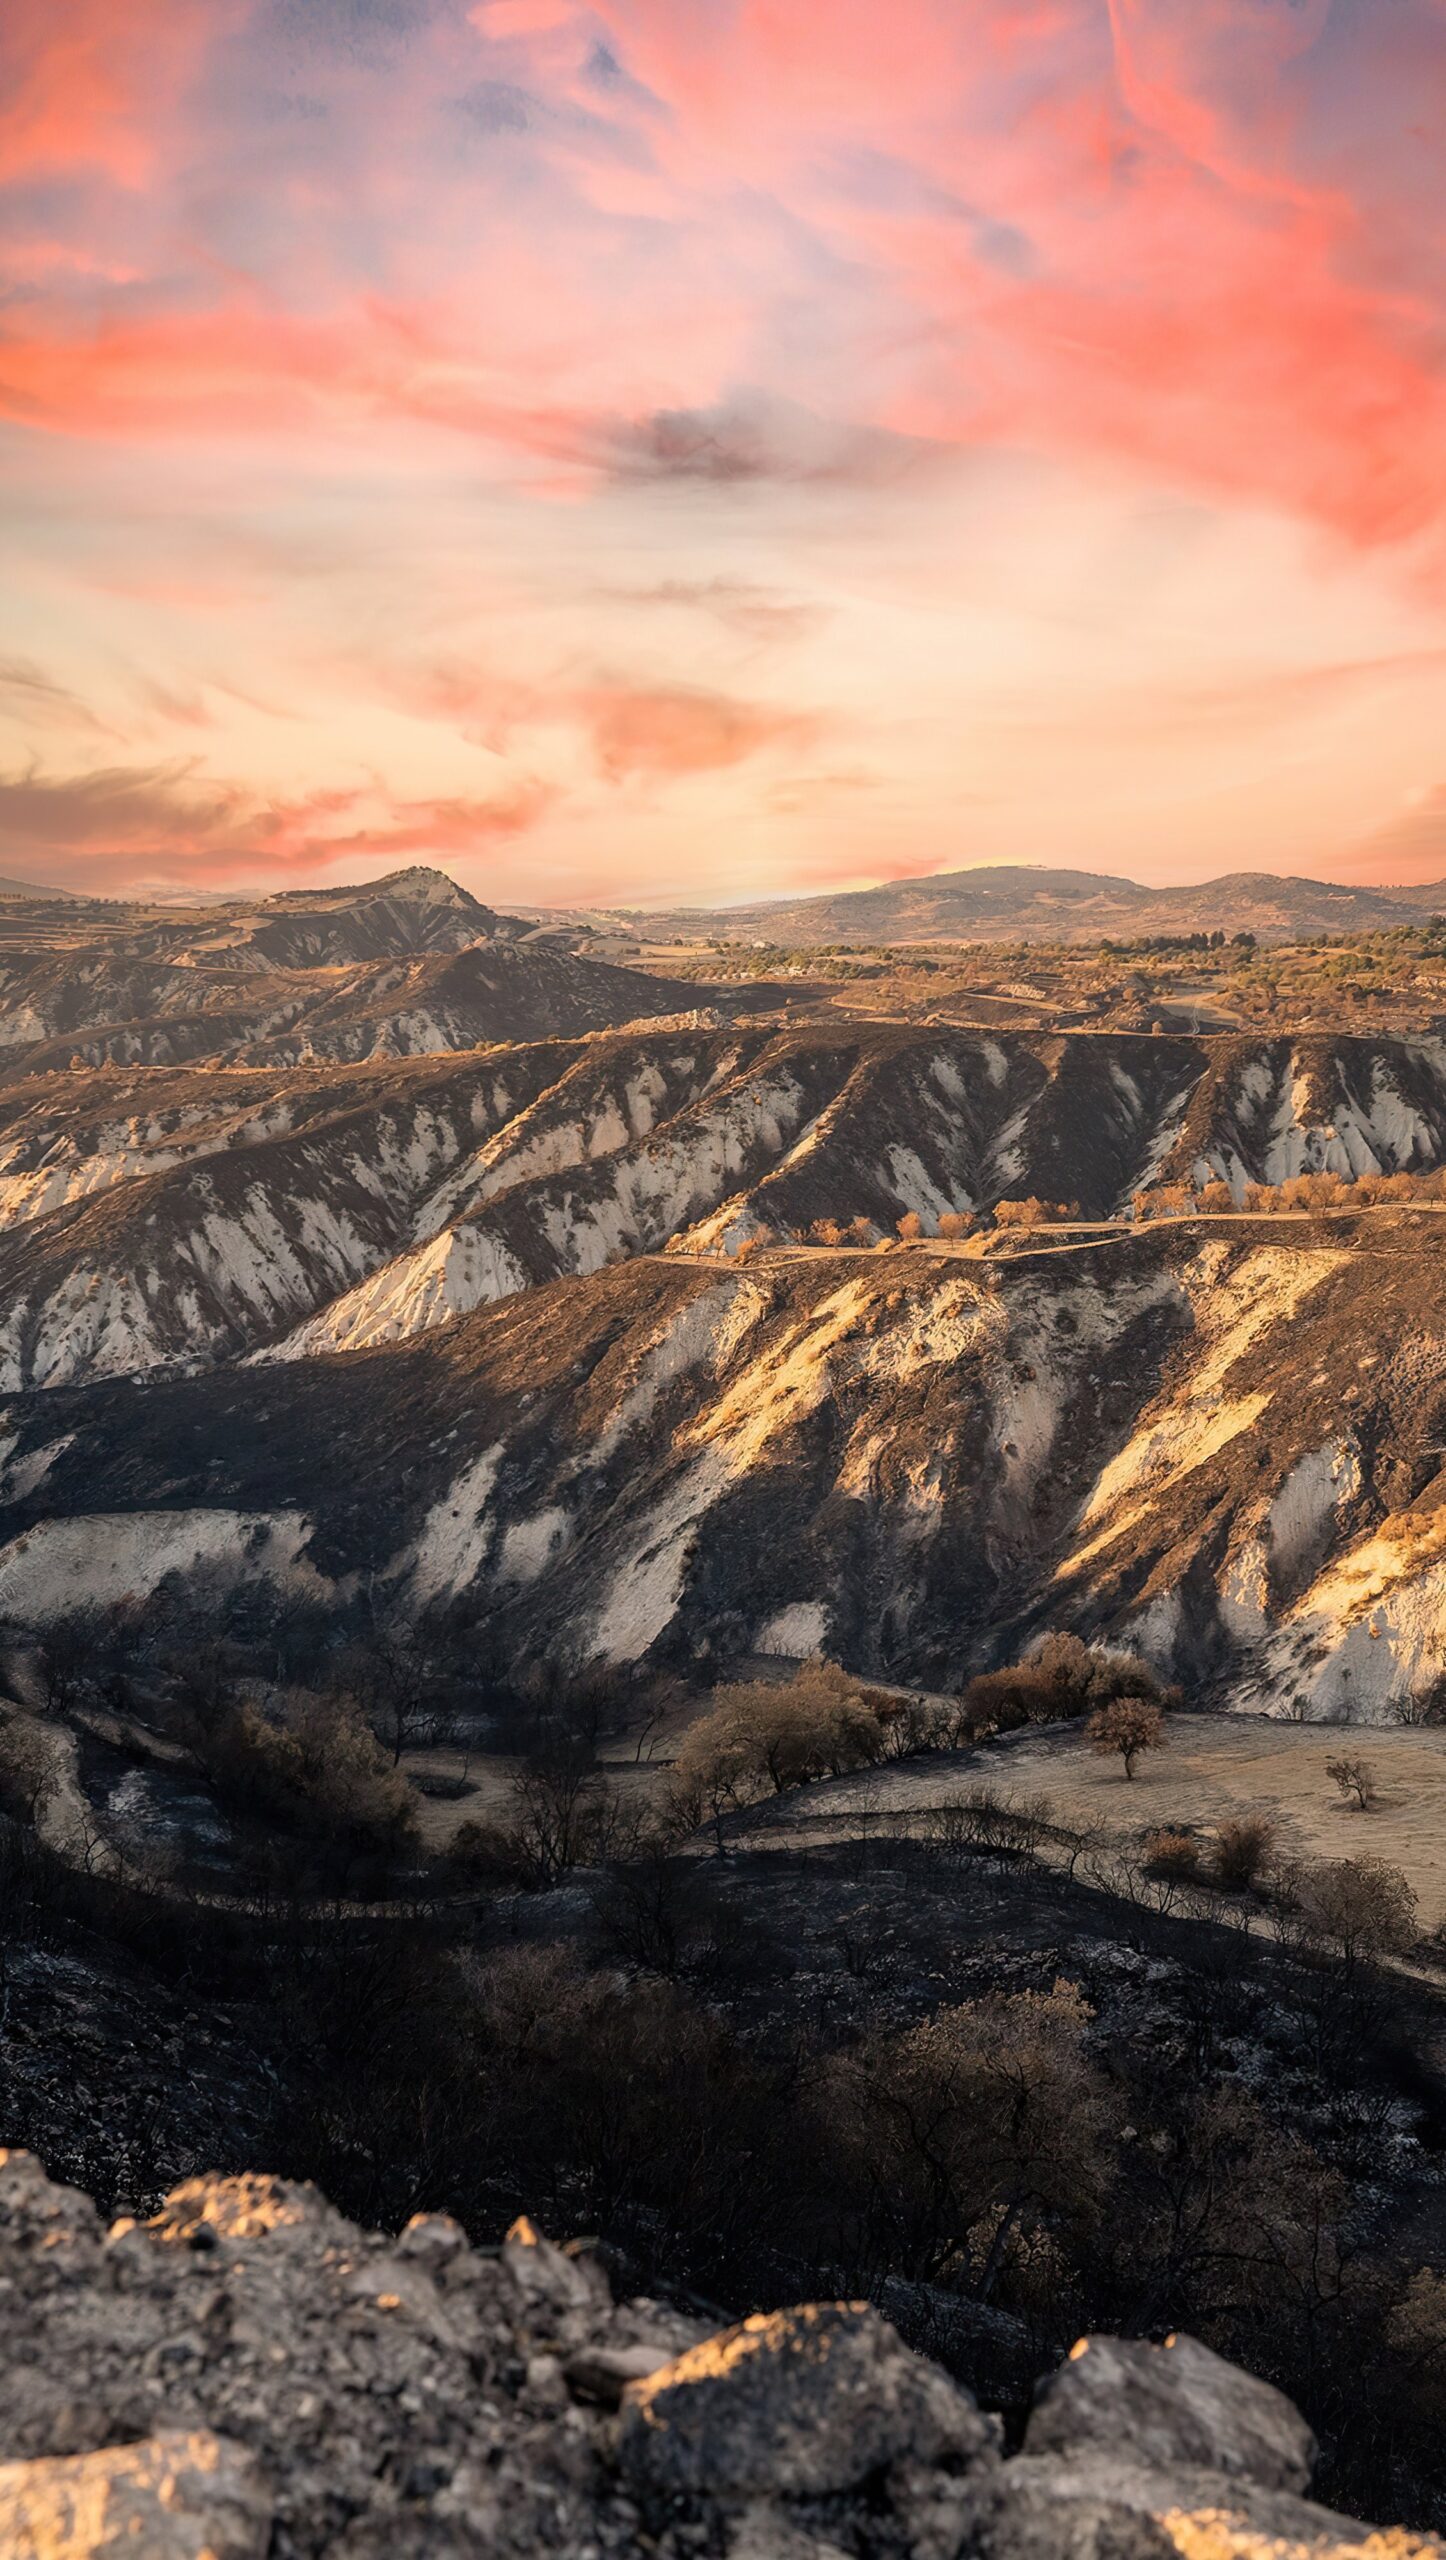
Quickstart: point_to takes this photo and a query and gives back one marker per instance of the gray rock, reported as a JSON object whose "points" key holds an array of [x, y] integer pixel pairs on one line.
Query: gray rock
{"points": [[602, 2374], [248, 2371], [762, 2533], [1092, 2505], [1172, 2404], [801, 2403], [549, 2280]]}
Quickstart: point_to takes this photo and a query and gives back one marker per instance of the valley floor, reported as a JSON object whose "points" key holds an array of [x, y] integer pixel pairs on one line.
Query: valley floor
{"points": [[1212, 1769]]}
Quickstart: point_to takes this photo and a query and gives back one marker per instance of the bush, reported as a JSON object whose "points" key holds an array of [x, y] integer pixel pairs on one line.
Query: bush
{"points": [[1244, 1851], [759, 1739], [1361, 1908], [1172, 1856]]}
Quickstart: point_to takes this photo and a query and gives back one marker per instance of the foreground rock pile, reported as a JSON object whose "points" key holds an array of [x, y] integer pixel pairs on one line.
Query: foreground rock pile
{"points": [[249, 2377]]}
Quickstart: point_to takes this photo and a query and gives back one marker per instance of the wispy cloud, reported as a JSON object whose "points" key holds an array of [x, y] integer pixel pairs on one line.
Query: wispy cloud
{"points": [[380, 371], [103, 826], [37, 700]]}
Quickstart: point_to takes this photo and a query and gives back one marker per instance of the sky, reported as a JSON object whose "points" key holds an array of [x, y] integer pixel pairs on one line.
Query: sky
{"points": [[639, 451]]}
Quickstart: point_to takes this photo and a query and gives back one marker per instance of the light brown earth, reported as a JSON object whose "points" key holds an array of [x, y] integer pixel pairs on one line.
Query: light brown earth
{"points": [[1211, 1769]]}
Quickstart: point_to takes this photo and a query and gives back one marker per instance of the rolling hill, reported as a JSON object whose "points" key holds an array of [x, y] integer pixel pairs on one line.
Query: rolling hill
{"points": [[1006, 903]]}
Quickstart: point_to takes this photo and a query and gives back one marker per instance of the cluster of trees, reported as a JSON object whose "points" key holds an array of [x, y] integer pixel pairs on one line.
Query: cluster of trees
{"points": [[1035, 1213], [1216, 941], [567, 1809], [952, 1224], [866, 1233], [1060, 1678], [289, 1732], [1166, 1200], [1299, 1191], [758, 1738], [316, 1767]]}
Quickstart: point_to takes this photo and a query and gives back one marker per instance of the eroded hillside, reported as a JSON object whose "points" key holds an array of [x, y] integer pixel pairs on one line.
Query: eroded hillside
{"points": [[1225, 1448], [152, 1218], [364, 1288]]}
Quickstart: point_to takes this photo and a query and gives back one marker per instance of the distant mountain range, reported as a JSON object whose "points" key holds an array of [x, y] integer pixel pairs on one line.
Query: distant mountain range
{"points": [[34, 889], [1008, 902]]}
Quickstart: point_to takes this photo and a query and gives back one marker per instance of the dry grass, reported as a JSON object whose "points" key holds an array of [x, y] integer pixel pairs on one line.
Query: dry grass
{"points": [[1212, 1769]]}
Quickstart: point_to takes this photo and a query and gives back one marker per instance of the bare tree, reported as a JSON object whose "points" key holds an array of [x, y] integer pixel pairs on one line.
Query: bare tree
{"points": [[1356, 1780], [1361, 1908], [65, 1658]]}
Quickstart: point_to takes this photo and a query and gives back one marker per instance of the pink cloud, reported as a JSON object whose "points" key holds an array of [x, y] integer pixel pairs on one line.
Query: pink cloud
{"points": [[310, 314], [94, 829], [1120, 232]]}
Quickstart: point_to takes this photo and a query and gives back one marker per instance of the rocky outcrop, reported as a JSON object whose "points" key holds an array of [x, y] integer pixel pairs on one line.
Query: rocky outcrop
{"points": [[248, 2376]]}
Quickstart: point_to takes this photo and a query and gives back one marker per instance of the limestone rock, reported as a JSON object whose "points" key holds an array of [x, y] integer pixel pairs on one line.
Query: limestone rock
{"points": [[249, 2374], [170, 2497], [1169, 2405]]}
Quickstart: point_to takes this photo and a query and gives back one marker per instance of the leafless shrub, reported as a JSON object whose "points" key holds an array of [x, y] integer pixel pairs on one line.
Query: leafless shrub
{"points": [[1359, 1908], [986, 1822]]}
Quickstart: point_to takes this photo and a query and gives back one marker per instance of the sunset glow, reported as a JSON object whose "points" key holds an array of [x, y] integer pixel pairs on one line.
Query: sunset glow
{"points": [[684, 449]]}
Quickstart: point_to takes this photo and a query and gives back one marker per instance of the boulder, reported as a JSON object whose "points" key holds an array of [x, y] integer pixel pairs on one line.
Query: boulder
{"points": [[800, 2403], [249, 2373], [1169, 2405]]}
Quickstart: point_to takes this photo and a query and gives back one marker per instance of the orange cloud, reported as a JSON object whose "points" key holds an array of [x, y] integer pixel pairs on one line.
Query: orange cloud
{"points": [[1124, 231], [81, 84], [670, 730], [96, 828]]}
